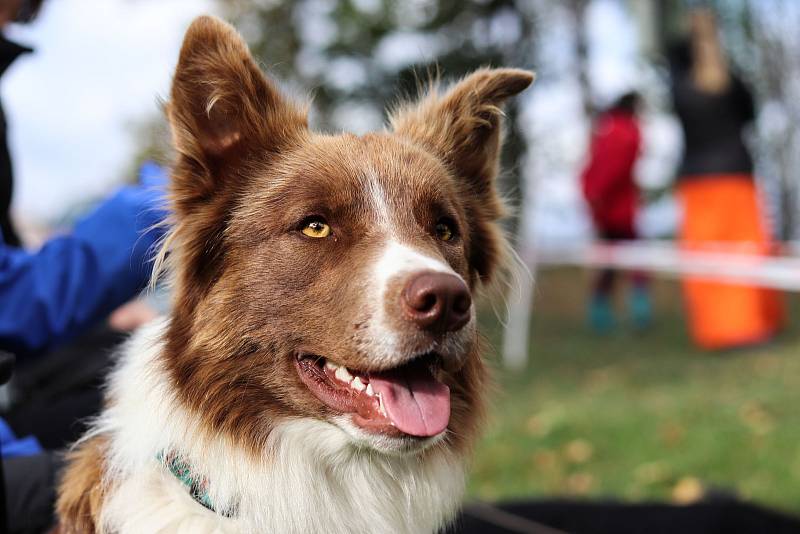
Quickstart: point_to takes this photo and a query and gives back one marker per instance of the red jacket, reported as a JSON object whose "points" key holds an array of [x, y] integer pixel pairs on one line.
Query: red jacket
{"points": [[607, 180]]}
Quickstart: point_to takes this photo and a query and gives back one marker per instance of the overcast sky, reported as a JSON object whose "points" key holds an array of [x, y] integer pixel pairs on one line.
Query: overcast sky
{"points": [[98, 66]]}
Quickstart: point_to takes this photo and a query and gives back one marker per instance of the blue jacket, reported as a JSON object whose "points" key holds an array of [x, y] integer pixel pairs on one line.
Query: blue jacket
{"points": [[49, 296]]}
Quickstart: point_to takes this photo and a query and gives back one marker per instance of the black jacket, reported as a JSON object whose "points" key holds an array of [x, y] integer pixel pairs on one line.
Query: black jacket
{"points": [[9, 51], [712, 127]]}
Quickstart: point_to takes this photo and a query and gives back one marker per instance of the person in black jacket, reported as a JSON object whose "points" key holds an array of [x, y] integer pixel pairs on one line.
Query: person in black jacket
{"points": [[720, 200], [10, 11]]}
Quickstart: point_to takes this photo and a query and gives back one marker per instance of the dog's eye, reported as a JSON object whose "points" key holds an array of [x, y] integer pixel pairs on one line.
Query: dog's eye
{"points": [[445, 229], [316, 228]]}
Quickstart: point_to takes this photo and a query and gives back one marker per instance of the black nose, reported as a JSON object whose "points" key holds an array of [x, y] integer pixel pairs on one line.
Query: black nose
{"points": [[437, 302]]}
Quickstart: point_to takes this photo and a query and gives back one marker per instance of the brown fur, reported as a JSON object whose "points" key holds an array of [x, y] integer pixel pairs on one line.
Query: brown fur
{"points": [[82, 489], [250, 292]]}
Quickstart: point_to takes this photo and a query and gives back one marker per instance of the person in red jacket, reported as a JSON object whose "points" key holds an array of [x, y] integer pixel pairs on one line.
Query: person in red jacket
{"points": [[612, 195]]}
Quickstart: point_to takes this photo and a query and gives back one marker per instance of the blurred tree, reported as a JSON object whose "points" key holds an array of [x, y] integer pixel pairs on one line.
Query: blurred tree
{"points": [[360, 55], [152, 143], [765, 44], [578, 11]]}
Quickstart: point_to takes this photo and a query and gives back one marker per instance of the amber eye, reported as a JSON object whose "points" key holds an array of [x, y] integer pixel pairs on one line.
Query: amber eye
{"points": [[445, 229], [316, 228]]}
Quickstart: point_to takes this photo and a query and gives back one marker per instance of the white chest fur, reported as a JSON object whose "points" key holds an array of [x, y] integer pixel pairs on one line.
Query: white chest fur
{"points": [[312, 478]]}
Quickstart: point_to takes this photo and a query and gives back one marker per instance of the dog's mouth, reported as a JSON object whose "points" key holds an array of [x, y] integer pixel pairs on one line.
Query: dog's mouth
{"points": [[407, 400]]}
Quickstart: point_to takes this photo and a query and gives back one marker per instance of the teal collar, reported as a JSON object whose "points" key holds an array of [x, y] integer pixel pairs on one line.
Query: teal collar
{"points": [[197, 486]]}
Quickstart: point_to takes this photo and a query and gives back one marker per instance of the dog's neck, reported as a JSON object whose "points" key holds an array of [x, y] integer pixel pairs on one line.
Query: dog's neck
{"points": [[311, 477]]}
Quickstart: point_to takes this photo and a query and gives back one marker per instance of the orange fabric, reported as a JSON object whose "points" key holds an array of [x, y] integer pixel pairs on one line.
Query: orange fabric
{"points": [[726, 209]]}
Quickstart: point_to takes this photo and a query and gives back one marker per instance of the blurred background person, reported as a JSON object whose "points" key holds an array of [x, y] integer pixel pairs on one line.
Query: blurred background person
{"points": [[10, 11], [52, 305], [49, 297], [717, 190], [610, 190], [60, 323]]}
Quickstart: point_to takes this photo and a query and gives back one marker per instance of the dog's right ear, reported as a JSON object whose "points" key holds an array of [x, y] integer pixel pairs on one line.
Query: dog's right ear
{"points": [[462, 126], [226, 118], [222, 107]]}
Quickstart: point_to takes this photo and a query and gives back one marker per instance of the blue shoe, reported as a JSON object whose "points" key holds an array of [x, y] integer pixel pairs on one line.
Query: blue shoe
{"points": [[601, 316], [640, 308]]}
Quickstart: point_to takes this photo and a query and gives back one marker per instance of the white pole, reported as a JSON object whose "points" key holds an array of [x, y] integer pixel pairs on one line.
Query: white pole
{"points": [[516, 335]]}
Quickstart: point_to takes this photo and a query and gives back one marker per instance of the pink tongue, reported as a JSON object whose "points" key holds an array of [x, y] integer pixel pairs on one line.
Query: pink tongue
{"points": [[415, 401]]}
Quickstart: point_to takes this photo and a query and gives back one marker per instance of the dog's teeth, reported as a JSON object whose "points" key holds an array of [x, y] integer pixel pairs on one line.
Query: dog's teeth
{"points": [[343, 375], [330, 365], [380, 401], [357, 384], [370, 391]]}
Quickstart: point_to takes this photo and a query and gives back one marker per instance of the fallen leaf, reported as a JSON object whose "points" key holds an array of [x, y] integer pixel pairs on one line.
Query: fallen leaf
{"points": [[580, 483], [578, 451], [537, 426], [687, 491], [672, 433], [651, 473], [545, 459], [756, 418]]}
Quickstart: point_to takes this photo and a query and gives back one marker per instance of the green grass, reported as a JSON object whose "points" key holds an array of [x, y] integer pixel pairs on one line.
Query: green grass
{"points": [[639, 416]]}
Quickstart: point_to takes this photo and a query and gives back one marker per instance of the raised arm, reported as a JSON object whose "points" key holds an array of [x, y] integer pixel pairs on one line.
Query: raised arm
{"points": [[710, 71]]}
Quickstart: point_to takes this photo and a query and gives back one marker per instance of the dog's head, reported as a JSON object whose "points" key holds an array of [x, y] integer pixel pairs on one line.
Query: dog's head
{"points": [[329, 276]]}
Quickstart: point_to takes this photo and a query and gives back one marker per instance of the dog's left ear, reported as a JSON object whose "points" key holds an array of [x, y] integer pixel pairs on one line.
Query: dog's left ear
{"points": [[463, 125]]}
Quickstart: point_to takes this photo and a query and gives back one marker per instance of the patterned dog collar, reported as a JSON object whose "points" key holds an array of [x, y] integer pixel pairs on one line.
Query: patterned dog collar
{"points": [[198, 487]]}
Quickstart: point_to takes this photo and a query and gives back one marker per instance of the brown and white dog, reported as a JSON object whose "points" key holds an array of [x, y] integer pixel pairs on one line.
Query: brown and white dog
{"points": [[321, 370]]}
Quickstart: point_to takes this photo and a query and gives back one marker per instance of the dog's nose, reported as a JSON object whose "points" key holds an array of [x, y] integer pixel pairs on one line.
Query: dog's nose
{"points": [[437, 302]]}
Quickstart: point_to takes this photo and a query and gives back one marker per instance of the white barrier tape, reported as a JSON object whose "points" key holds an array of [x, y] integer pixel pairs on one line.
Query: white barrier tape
{"points": [[717, 262]]}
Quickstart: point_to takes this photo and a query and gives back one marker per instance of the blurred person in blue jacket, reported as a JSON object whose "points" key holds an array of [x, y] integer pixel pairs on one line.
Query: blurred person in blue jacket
{"points": [[58, 292]]}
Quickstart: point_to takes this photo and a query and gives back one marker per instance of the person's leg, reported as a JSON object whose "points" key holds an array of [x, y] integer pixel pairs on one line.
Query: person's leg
{"points": [[601, 313], [30, 483], [639, 304], [60, 391], [60, 421]]}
